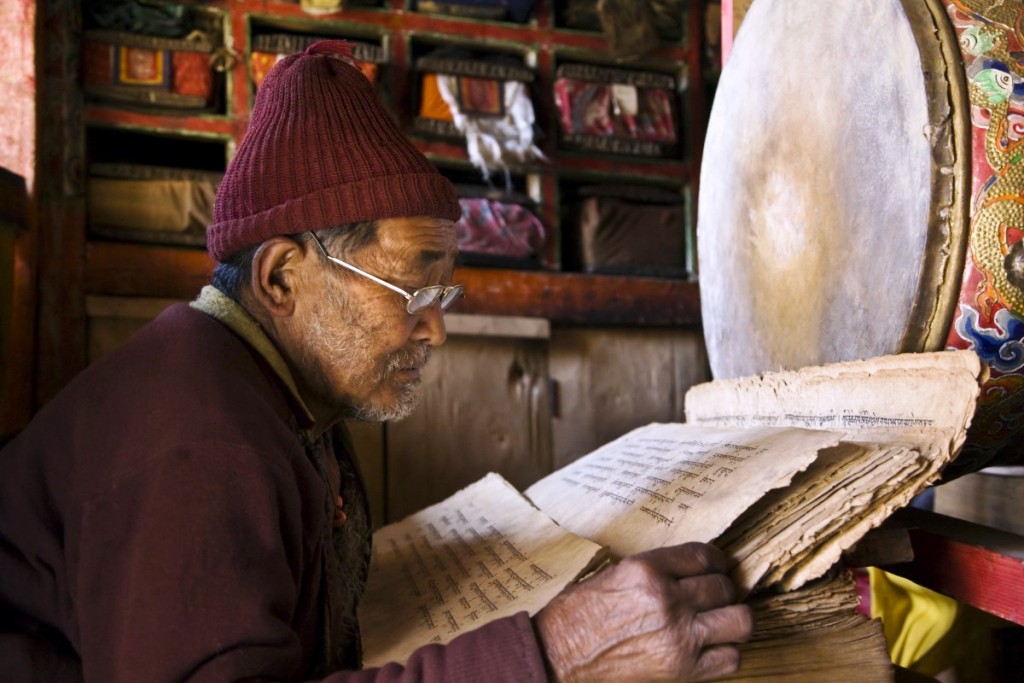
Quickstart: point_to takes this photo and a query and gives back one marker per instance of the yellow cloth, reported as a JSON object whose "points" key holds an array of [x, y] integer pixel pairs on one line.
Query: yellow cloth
{"points": [[930, 633]]}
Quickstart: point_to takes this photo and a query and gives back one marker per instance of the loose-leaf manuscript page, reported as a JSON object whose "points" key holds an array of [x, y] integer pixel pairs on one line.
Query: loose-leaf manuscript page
{"points": [[665, 484], [924, 399], [482, 554]]}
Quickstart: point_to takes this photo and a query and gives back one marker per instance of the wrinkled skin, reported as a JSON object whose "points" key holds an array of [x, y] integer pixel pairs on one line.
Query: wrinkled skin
{"points": [[663, 615], [352, 347]]}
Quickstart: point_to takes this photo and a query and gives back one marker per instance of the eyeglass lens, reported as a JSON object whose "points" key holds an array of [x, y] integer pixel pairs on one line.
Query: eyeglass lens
{"points": [[424, 298], [450, 296]]}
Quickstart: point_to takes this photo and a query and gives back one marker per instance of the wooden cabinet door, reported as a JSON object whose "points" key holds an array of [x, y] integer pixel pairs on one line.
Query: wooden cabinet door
{"points": [[610, 381]]}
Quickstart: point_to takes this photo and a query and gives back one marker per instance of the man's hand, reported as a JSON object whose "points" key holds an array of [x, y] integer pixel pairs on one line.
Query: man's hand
{"points": [[665, 614]]}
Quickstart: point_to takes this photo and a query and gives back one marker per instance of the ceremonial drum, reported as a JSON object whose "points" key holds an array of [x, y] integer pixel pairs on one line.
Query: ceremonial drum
{"points": [[862, 193]]}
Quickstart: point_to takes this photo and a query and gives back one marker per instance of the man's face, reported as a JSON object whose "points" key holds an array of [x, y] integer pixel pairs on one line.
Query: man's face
{"points": [[361, 352]]}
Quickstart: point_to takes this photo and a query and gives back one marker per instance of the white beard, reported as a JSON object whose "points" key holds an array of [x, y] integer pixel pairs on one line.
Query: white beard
{"points": [[336, 341]]}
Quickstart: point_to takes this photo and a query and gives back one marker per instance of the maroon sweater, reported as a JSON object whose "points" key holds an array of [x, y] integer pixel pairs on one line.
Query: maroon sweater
{"points": [[164, 519]]}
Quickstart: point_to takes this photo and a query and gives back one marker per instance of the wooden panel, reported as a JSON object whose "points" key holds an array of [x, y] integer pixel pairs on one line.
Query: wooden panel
{"points": [[483, 408], [111, 320], [459, 324], [989, 499], [368, 439], [121, 269], [977, 565], [610, 381]]}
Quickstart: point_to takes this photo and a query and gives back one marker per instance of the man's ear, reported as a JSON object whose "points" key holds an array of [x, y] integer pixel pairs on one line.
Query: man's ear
{"points": [[275, 280]]}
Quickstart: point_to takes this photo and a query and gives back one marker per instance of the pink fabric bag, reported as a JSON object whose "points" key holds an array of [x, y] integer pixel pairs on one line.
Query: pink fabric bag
{"points": [[496, 228]]}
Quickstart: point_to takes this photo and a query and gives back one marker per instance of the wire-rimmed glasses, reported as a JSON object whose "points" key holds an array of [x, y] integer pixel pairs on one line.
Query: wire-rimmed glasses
{"points": [[415, 302]]}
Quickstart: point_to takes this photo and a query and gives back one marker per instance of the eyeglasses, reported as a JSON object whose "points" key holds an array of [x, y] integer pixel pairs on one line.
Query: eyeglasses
{"points": [[416, 302]]}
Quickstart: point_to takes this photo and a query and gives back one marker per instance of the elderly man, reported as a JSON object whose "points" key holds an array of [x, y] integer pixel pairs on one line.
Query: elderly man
{"points": [[189, 507]]}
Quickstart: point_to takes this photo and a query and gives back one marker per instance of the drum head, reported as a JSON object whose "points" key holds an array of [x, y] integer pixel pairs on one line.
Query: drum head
{"points": [[832, 211]]}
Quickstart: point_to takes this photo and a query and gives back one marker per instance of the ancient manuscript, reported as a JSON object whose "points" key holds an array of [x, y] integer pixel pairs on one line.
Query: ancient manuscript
{"points": [[482, 554], [783, 471]]}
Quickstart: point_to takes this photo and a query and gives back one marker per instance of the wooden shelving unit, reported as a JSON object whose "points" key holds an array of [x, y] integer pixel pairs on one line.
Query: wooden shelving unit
{"points": [[75, 264]]}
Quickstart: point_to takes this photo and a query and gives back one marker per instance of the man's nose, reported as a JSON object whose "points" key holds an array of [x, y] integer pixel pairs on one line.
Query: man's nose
{"points": [[430, 327]]}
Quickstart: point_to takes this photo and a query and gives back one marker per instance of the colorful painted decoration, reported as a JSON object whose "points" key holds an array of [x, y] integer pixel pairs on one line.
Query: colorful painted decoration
{"points": [[990, 316]]}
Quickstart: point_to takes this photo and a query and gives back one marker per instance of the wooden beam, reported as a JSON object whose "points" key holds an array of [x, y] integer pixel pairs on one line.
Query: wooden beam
{"points": [[577, 298], [123, 269], [515, 326], [58, 200], [977, 565]]}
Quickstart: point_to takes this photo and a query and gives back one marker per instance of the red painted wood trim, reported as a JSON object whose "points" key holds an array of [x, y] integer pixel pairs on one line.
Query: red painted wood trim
{"points": [[580, 299], [220, 126], [538, 33], [651, 169], [977, 565], [122, 269]]}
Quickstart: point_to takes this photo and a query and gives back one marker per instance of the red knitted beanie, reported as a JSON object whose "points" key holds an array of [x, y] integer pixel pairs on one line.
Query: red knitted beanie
{"points": [[321, 151]]}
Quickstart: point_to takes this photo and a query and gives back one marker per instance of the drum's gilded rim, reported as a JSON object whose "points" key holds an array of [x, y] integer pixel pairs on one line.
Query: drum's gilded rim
{"points": [[949, 229]]}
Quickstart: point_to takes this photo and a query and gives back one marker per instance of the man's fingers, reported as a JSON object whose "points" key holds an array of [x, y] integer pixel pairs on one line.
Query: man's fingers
{"points": [[716, 661], [688, 559], [722, 628], [701, 593], [732, 624]]}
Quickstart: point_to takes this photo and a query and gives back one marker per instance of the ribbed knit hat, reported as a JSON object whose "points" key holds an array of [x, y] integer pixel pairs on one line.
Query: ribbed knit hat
{"points": [[321, 151]]}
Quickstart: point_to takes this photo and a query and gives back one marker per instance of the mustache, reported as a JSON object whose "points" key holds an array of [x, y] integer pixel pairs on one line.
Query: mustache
{"points": [[413, 357]]}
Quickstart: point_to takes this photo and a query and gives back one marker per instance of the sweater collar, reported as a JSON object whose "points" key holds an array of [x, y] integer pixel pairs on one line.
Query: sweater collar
{"points": [[232, 315]]}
